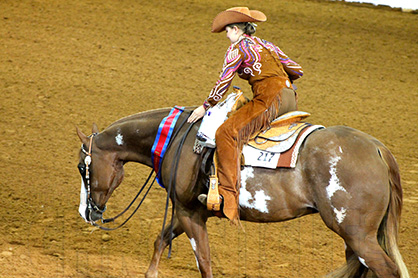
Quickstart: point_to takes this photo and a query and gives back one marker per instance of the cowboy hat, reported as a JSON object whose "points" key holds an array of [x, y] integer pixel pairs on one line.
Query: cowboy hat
{"points": [[236, 15]]}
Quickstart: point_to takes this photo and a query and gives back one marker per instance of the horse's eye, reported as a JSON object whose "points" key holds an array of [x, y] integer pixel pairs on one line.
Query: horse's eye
{"points": [[82, 169]]}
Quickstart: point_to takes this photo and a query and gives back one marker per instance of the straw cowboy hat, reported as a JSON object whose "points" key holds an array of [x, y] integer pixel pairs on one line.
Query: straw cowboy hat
{"points": [[236, 15]]}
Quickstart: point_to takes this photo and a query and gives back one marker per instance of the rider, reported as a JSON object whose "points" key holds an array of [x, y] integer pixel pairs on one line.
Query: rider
{"points": [[269, 71]]}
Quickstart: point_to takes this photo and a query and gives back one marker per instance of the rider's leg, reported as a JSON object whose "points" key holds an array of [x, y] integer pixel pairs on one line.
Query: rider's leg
{"points": [[234, 132]]}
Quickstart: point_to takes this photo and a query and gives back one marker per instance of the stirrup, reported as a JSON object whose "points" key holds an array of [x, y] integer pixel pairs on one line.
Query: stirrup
{"points": [[213, 200]]}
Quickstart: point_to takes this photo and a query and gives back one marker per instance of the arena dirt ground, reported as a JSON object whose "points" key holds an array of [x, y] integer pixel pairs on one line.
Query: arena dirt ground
{"points": [[66, 63]]}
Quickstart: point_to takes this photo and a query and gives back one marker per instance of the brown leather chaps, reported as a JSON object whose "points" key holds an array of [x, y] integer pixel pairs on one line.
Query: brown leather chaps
{"points": [[271, 98]]}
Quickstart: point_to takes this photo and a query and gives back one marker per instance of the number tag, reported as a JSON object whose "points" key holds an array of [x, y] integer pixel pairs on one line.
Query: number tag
{"points": [[260, 158]]}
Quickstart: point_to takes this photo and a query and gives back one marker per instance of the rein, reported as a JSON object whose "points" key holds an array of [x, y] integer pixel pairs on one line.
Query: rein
{"points": [[170, 191], [104, 221]]}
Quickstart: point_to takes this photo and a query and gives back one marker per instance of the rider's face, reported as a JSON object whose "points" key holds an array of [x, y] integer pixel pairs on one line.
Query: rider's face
{"points": [[233, 33]]}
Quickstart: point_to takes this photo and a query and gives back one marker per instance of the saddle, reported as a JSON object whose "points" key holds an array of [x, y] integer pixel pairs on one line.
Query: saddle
{"points": [[278, 146], [282, 133]]}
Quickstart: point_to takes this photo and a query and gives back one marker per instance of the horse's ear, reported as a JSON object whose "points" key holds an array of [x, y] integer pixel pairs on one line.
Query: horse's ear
{"points": [[95, 129], [82, 136]]}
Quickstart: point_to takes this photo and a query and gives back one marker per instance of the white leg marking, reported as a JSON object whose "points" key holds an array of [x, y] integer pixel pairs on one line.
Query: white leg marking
{"points": [[259, 201], [194, 247], [363, 261]]}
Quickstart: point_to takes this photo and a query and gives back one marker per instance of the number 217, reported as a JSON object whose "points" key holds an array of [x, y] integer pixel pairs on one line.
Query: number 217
{"points": [[265, 156]]}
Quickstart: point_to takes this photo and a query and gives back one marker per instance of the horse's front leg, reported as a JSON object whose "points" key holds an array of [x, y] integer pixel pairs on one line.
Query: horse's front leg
{"points": [[194, 224], [159, 247]]}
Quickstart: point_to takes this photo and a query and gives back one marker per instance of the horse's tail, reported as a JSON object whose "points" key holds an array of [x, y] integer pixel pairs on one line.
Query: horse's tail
{"points": [[388, 230], [387, 234]]}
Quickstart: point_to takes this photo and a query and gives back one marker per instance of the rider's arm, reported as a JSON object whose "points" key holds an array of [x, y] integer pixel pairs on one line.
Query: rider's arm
{"points": [[232, 61], [293, 69]]}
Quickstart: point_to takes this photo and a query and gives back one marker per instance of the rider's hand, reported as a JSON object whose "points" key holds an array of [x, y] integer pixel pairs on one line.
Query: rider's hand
{"points": [[198, 113]]}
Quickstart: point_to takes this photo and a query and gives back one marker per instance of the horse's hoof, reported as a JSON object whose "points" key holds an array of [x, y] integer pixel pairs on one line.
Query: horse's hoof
{"points": [[151, 275]]}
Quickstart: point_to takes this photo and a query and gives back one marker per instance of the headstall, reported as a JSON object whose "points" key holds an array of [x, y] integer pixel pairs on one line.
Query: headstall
{"points": [[91, 205], [87, 161]]}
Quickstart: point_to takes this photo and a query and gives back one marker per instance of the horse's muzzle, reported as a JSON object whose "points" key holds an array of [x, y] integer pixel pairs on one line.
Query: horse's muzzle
{"points": [[95, 215]]}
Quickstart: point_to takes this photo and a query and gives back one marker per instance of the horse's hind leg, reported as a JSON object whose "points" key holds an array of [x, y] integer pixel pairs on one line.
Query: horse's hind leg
{"points": [[353, 268], [159, 247], [372, 256], [360, 230]]}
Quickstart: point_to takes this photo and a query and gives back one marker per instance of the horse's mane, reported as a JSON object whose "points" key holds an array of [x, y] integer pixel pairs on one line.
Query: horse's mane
{"points": [[138, 116], [145, 114]]}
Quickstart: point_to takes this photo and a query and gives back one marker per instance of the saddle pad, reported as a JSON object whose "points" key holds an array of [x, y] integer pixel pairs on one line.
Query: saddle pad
{"points": [[165, 130], [268, 159]]}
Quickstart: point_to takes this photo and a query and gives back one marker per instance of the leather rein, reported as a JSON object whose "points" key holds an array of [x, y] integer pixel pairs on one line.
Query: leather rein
{"points": [[170, 190]]}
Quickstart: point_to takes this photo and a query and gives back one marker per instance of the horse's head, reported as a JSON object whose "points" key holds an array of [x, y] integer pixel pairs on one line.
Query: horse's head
{"points": [[101, 173]]}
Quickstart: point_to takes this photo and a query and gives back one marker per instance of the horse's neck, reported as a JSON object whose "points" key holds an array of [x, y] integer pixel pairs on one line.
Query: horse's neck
{"points": [[132, 137]]}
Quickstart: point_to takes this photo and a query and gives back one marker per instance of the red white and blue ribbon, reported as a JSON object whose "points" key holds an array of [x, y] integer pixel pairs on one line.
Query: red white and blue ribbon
{"points": [[165, 131]]}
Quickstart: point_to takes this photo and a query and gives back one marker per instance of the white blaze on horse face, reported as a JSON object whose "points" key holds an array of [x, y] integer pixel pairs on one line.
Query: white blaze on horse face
{"points": [[259, 201], [119, 139], [83, 201]]}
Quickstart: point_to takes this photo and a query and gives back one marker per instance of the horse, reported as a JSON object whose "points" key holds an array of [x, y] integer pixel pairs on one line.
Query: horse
{"points": [[350, 178]]}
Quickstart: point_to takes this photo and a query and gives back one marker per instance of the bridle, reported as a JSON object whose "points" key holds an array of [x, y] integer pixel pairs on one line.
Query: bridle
{"points": [[91, 205]]}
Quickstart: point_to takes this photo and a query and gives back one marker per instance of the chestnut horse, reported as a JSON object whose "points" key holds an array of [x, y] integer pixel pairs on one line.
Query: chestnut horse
{"points": [[348, 177]]}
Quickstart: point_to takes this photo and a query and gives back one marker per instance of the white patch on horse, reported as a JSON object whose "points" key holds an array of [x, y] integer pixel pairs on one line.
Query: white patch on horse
{"points": [[83, 201], [340, 149], [340, 214], [334, 181], [244, 195], [194, 247], [259, 201], [119, 139], [363, 261], [193, 243]]}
